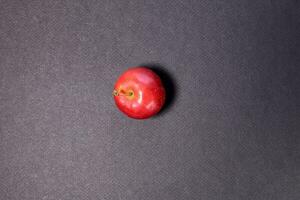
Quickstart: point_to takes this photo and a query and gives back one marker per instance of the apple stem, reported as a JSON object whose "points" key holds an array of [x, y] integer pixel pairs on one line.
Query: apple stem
{"points": [[122, 93]]}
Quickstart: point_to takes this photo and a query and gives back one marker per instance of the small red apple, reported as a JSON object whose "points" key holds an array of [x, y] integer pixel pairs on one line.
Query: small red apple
{"points": [[139, 93]]}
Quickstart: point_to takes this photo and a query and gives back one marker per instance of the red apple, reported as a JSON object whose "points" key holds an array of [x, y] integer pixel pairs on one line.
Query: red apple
{"points": [[139, 93]]}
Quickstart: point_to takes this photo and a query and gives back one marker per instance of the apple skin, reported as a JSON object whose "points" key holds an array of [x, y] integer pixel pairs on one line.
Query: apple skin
{"points": [[139, 93]]}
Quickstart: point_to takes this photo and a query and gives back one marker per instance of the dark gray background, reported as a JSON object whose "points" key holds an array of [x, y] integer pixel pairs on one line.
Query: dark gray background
{"points": [[230, 132]]}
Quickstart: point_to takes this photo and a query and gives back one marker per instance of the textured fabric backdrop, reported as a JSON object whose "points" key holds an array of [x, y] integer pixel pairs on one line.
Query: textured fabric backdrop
{"points": [[231, 126]]}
